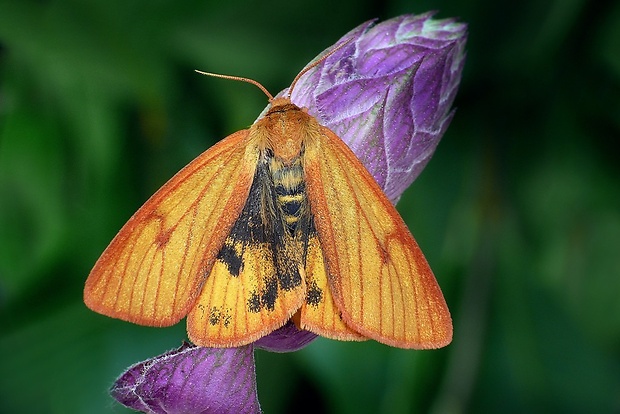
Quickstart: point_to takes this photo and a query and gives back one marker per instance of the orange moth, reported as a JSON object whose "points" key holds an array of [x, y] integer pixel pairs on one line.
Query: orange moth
{"points": [[274, 222]]}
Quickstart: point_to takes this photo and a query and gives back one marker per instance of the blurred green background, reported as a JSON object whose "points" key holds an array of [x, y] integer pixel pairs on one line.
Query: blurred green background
{"points": [[518, 212]]}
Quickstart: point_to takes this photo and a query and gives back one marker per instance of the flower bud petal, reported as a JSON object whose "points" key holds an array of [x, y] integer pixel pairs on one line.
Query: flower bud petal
{"points": [[388, 93], [286, 339], [191, 380]]}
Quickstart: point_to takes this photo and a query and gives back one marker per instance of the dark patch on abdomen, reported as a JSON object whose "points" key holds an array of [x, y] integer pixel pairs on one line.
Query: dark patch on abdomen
{"points": [[291, 203]]}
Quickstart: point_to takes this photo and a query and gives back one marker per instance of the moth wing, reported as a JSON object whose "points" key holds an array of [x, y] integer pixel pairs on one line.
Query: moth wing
{"points": [[379, 278], [319, 313], [153, 270], [256, 283], [234, 310]]}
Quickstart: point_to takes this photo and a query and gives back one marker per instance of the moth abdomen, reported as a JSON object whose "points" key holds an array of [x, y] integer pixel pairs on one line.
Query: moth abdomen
{"points": [[290, 192]]}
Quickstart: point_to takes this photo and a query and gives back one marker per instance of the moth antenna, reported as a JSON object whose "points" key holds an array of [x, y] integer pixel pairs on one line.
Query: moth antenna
{"points": [[314, 64], [240, 79]]}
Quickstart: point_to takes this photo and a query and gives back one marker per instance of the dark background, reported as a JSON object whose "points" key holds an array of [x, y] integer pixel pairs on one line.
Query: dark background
{"points": [[518, 212]]}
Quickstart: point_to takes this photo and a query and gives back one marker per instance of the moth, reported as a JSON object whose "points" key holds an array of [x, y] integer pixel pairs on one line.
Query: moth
{"points": [[276, 222]]}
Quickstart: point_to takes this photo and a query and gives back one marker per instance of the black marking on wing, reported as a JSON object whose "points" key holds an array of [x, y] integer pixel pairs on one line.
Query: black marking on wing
{"points": [[217, 316], [266, 298], [254, 303], [314, 295], [270, 293], [230, 257], [251, 228], [214, 316]]}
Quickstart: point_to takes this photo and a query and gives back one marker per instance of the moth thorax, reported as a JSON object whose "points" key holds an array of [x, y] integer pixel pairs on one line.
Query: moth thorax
{"points": [[286, 126]]}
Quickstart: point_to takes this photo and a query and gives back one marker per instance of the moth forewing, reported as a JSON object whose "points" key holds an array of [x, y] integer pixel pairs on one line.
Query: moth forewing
{"points": [[381, 283]]}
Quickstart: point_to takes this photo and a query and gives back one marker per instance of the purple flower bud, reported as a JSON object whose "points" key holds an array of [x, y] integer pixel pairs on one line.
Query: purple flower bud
{"points": [[191, 380], [388, 93], [286, 339]]}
